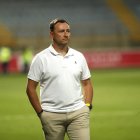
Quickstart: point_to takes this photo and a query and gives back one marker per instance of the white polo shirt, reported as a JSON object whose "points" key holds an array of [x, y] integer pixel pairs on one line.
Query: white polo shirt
{"points": [[60, 79]]}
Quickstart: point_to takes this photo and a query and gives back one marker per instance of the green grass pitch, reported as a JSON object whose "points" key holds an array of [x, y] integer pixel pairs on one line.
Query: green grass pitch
{"points": [[116, 113]]}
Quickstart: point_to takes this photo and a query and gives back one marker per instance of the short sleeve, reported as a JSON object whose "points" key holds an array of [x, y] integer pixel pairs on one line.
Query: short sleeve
{"points": [[85, 69], [35, 71]]}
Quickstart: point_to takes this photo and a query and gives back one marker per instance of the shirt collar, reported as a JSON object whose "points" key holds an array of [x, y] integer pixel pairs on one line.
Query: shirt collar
{"points": [[54, 52]]}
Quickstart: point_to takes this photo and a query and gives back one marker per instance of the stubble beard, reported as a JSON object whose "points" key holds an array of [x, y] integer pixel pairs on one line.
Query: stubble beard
{"points": [[61, 44]]}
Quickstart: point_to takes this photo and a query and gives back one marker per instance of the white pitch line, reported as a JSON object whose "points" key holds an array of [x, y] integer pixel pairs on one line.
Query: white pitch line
{"points": [[94, 114]]}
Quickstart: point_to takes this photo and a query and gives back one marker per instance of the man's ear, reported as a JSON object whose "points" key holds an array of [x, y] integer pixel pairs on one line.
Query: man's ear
{"points": [[51, 34]]}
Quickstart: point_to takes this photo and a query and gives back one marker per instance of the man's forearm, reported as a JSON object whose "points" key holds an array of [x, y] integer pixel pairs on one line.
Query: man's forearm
{"points": [[88, 95], [34, 100], [88, 91]]}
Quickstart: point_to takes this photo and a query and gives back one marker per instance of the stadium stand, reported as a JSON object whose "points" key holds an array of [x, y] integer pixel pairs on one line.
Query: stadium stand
{"points": [[127, 17], [100, 25], [95, 23]]}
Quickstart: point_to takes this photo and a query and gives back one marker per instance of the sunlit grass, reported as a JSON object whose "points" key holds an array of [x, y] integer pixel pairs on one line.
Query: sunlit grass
{"points": [[115, 115]]}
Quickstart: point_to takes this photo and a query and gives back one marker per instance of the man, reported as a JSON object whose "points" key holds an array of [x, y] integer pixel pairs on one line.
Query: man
{"points": [[27, 56], [5, 57], [63, 75]]}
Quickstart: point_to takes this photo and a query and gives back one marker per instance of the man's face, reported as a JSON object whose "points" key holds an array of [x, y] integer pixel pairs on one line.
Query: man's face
{"points": [[61, 34]]}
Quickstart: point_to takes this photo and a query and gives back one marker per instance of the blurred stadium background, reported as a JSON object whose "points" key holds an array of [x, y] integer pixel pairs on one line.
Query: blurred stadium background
{"points": [[106, 31], [97, 25]]}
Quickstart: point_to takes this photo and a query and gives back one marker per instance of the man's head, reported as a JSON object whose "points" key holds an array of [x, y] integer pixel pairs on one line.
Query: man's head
{"points": [[60, 32], [55, 21]]}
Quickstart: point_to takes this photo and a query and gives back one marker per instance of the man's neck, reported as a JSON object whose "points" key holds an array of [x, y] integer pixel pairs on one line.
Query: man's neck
{"points": [[61, 49]]}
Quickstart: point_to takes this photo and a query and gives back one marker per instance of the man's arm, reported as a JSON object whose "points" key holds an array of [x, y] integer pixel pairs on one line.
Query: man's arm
{"points": [[32, 95], [88, 90]]}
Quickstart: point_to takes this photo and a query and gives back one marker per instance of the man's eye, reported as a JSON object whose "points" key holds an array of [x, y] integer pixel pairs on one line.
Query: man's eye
{"points": [[68, 30], [61, 31]]}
